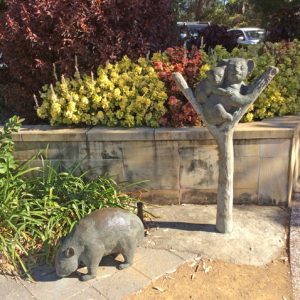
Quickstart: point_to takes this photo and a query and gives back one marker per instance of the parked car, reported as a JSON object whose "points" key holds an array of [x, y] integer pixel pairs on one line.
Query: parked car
{"points": [[190, 29], [248, 35]]}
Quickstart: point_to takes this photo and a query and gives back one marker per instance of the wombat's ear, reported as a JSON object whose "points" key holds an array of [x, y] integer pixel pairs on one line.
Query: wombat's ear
{"points": [[250, 64], [69, 252]]}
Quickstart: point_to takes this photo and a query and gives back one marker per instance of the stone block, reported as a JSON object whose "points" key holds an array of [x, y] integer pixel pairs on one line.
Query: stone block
{"points": [[139, 163], [166, 165], [198, 167], [46, 133], [275, 148], [262, 130], [119, 134], [109, 167], [164, 197], [90, 294], [105, 151], [195, 196], [182, 134], [273, 181], [11, 289], [245, 196], [246, 148], [246, 172], [157, 263], [121, 284], [51, 150]]}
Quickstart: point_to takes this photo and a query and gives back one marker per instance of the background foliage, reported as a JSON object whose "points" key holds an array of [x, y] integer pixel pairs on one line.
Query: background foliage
{"points": [[36, 34]]}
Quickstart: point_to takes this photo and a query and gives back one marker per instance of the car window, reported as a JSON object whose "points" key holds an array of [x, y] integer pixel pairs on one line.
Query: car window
{"points": [[236, 33], [254, 34]]}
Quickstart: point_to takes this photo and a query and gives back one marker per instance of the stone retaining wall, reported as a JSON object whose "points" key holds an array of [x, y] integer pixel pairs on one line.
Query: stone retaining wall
{"points": [[180, 164]]}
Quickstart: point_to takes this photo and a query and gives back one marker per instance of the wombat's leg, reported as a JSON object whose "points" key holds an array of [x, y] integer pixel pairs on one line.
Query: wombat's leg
{"points": [[93, 258], [128, 253]]}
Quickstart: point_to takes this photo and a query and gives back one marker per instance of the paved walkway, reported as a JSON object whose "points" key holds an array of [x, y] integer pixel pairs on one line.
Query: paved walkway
{"points": [[175, 238], [295, 246]]}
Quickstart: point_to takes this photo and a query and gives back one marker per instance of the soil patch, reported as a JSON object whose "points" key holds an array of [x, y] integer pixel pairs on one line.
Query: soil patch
{"points": [[211, 279]]}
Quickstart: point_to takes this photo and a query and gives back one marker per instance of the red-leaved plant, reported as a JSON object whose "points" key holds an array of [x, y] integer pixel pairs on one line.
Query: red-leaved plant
{"points": [[37, 34], [188, 63]]}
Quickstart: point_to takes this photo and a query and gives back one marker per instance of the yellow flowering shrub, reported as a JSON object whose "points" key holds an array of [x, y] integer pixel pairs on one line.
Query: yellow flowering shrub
{"points": [[124, 94]]}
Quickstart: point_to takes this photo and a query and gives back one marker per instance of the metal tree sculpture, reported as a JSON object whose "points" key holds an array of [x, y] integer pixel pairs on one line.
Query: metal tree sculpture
{"points": [[221, 100]]}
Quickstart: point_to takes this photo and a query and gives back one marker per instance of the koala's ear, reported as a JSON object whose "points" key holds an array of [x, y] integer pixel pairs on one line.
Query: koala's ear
{"points": [[250, 64], [222, 63], [69, 252]]}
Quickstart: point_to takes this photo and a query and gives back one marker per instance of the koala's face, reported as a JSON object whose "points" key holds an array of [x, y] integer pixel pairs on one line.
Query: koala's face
{"points": [[218, 77], [237, 71], [66, 261]]}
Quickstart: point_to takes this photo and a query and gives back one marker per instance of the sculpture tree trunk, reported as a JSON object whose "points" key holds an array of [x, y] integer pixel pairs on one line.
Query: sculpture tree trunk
{"points": [[225, 181], [224, 139]]}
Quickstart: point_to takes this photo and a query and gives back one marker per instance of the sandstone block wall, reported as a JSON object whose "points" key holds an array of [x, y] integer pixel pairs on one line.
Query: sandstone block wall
{"points": [[179, 165]]}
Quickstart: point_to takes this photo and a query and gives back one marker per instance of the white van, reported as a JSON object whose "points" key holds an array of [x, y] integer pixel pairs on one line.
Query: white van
{"points": [[248, 35]]}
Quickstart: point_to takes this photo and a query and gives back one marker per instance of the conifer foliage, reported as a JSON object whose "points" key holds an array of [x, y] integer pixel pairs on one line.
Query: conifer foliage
{"points": [[36, 35]]}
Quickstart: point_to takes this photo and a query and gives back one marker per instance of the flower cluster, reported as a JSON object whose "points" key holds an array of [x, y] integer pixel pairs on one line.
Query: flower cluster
{"points": [[125, 93], [179, 111]]}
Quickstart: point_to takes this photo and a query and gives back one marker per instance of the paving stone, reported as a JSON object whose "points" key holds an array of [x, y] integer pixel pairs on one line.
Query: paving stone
{"points": [[187, 256], [88, 294], [158, 262], [11, 289], [295, 248], [50, 287], [121, 284]]}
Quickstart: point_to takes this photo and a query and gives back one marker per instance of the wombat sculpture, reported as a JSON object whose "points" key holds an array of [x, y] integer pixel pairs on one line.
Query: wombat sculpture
{"points": [[103, 232]]}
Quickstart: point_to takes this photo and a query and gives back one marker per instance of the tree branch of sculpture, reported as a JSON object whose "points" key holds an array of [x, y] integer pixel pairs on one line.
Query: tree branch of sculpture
{"points": [[221, 100]]}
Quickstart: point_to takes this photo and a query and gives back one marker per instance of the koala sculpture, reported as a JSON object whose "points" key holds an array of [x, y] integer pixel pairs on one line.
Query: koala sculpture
{"points": [[223, 92], [103, 232]]}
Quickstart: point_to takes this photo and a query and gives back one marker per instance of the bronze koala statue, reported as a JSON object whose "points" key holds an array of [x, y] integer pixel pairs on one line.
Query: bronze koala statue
{"points": [[103, 232]]}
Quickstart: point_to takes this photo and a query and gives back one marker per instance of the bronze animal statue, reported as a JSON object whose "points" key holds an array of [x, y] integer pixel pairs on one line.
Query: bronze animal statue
{"points": [[103, 232]]}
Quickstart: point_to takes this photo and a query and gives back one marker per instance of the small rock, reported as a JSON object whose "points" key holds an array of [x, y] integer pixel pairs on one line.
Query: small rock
{"points": [[158, 288]]}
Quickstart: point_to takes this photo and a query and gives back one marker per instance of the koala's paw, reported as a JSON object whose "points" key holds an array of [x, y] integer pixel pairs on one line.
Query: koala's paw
{"points": [[86, 277], [123, 266]]}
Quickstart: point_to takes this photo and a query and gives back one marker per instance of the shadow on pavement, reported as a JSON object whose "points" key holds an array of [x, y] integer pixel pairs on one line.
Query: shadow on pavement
{"points": [[181, 226]]}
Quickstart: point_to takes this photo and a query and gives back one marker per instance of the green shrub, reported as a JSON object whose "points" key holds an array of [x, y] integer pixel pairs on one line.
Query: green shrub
{"points": [[282, 96], [125, 93], [35, 213]]}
